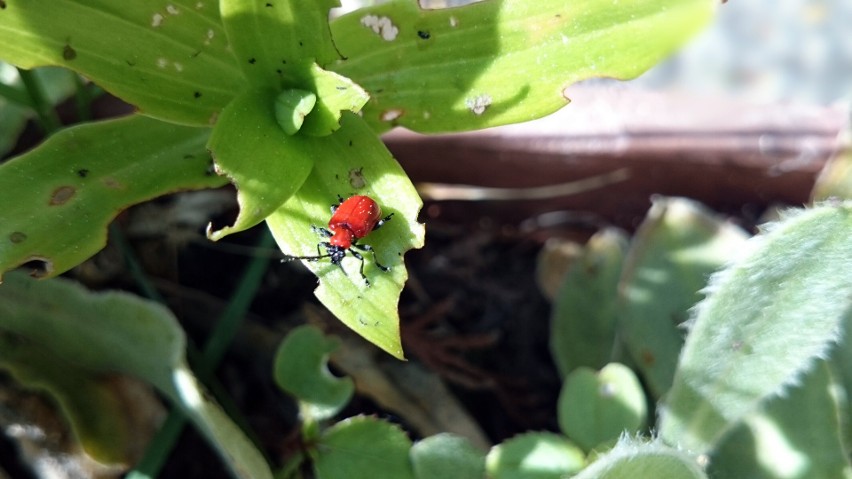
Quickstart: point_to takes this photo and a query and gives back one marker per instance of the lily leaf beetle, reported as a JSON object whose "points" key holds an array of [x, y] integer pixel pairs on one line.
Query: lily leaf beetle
{"points": [[351, 220]]}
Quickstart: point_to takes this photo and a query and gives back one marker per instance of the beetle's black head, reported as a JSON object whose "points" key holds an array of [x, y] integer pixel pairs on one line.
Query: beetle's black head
{"points": [[335, 253]]}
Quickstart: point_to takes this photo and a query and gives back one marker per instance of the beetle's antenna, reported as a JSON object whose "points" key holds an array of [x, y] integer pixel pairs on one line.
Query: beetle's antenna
{"points": [[288, 258]]}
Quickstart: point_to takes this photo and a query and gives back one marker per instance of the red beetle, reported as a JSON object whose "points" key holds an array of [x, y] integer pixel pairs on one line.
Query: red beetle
{"points": [[350, 221]]}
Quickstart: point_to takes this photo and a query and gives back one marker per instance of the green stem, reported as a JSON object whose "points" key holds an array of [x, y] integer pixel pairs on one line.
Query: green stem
{"points": [[83, 99], [15, 95], [48, 119], [223, 333]]}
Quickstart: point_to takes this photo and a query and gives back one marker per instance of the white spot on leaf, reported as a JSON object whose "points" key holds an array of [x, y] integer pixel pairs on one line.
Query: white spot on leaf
{"points": [[199, 5], [454, 22], [178, 67], [426, 115], [162, 62], [392, 114], [156, 20], [478, 104], [210, 35], [382, 26], [173, 10]]}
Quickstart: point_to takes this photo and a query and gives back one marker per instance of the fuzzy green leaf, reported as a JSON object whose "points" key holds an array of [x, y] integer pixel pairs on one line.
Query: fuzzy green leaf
{"points": [[115, 332], [446, 455], [676, 249], [630, 459], [500, 61], [534, 455], [597, 407], [169, 58], [795, 436], [301, 369], [765, 320], [363, 448], [583, 326], [68, 189], [356, 163]]}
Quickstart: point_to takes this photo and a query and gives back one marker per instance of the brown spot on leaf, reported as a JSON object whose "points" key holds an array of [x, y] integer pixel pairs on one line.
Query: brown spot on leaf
{"points": [[82, 172], [17, 237], [61, 195], [112, 183], [648, 357]]}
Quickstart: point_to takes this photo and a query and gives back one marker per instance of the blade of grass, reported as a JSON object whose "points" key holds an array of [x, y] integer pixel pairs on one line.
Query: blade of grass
{"points": [[48, 119]]}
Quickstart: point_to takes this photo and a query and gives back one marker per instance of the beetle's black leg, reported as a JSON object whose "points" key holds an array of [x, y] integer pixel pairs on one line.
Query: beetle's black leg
{"points": [[382, 222], [361, 270], [321, 231], [339, 202], [366, 247]]}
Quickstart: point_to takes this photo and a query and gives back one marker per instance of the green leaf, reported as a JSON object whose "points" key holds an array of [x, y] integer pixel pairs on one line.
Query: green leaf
{"points": [[291, 106], [765, 320], [169, 58], [301, 369], [796, 436], [534, 455], [631, 459], [265, 164], [447, 455], [501, 61], [95, 405], [597, 407], [274, 40], [114, 332], [68, 189], [676, 249], [363, 448], [336, 94], [356, 163], [586, 310]]}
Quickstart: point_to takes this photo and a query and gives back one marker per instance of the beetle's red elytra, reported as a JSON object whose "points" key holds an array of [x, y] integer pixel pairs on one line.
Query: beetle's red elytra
{"points": [[351, 220]]}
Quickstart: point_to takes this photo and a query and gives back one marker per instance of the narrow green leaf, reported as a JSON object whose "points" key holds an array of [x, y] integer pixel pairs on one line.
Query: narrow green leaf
{"points": [[501, 61], [363, 448], [274, 40], [676, 249], [115, 332], [631, 459], [447, 455], [301, 369], [597, 407], [765, 320], [795, 436], [169, 58], [583, 325], [534, 455], [16, 105], [356, 162], [265, 164], [68, 189]]}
